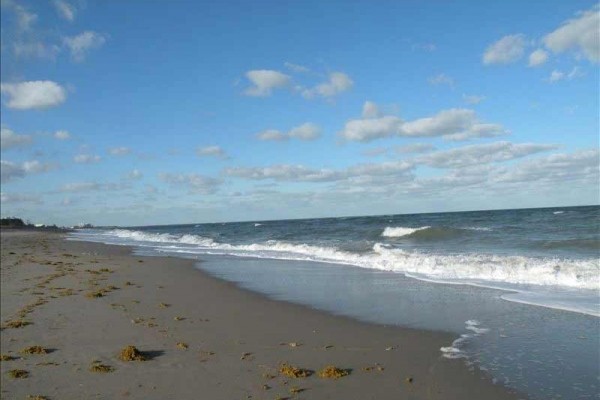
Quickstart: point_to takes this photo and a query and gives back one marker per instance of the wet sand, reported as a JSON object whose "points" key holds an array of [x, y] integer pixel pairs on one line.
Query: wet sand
{"points": [[204, 338]]}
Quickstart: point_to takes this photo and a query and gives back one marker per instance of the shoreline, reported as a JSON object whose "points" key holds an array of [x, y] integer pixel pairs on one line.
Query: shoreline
{"points": [[236, 339]]}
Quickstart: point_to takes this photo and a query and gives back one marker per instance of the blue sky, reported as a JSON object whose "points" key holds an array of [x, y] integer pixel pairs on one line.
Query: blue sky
{"points": [[138, 113]]}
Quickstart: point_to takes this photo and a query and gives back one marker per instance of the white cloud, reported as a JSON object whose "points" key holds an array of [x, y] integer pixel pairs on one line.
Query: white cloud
{"points": [[508, 49], [25, 19], [454, 124], [119, 151], [62, 135], [76, 187], [10, 171], [272, 135], [375, 152], [415, 148], [338, 82], [211, 151], [473, 99], [370, 110], [306, 131], [81, 44], [557, 75], [65, 10], [32, 48], [134, 175], [265, 81], [296, 67], [7, 198], [33, 94], [580, 34], [195, 183], [538, 57], [482, 154], [10, 139], [441, 79], [86, 158]]}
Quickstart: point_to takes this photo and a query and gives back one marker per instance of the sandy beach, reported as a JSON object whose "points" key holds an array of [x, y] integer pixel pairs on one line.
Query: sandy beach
{"points": [[82, 303]]}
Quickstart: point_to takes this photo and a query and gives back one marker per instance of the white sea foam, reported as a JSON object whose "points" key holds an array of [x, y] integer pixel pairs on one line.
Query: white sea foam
{"points": [[400, 231], [558, 212], [456, 349], [257, 224]]}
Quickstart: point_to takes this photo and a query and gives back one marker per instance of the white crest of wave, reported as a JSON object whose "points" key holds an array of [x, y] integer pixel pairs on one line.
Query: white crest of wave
{"points": [[400, 231], [456, 349], [160, 237]]}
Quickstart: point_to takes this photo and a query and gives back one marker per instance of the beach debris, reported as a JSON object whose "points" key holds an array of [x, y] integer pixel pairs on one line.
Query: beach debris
{"points": [[296, 390], [291, 344], [37, 397], [327, 347], [178, 318], [95, 294], [182, 345], [164, 305], [18, 373], [333, 372], [131, 353], [127, 283], [47, 363], [409, 379], [266, 387], [106, 270], [6, 357], [34, 350], [390, 348], [294, 372], [245, 356], [97, 366], [17, 323], [370, 368]]}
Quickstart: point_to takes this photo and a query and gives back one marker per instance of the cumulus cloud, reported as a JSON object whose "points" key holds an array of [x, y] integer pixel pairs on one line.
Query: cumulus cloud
{"points": [[441, 79], [9, 198], [454, 124], [578, 34], [538, 57], [211, 151], [10, 171], [87, 158], [25, 18], [195, 183], [482, 154], [33, 94], [370, 110], [508, 49], [264, 81], [557, 75], [81, 44], [300, 173], [10, 139], [415, 148], [65, 10], [337, 83], [62, 135], [119, 151], [306, 131]]}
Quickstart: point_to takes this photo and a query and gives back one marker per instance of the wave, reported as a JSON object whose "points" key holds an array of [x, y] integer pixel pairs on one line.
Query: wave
{"points": [[585, 244], [471, 268], [430, 233], [558, 212], [456, 349], [400, 231]]}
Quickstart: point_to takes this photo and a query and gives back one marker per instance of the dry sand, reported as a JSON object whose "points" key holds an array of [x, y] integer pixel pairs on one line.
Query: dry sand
{"points": [[204, 338]]}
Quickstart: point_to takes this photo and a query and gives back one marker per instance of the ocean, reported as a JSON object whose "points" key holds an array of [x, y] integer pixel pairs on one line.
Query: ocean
{"points": [[519, 288]]}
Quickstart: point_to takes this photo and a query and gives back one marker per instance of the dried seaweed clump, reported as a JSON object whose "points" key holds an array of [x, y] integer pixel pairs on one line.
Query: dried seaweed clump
{"points": [[294, 372], [131, 353], [6, 357], [34, 350], [331, 372], [17, 323], [18, 373], [182, 345], [99, 367]]}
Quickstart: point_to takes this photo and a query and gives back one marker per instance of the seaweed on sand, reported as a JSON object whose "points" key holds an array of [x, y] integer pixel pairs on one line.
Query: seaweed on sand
{"points": [[294, 372], [18, 373], [131, 353], [332, 372], [34, 350]]}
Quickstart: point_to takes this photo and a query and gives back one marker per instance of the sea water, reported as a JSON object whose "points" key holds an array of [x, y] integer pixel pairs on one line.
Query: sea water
{"points": [[519, 288]]}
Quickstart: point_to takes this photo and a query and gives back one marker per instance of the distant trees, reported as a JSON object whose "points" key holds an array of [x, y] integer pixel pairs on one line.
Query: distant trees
{"points": [[12, 222]]}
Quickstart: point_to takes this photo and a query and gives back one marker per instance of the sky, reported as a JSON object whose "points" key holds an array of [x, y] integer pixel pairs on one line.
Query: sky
{"points": [[140, 113]]}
